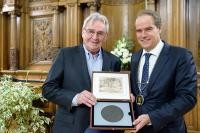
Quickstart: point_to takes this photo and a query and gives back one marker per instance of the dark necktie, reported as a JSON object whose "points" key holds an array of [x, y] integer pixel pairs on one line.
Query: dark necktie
{"points": [[145, 72]]}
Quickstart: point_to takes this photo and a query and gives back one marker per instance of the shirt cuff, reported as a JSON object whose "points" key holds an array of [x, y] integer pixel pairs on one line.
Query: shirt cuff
{"points": [[74, 100]]}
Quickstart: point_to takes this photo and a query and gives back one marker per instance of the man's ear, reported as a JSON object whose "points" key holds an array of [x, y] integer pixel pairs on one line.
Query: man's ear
{"points": [[160, 29], [82, 33]]}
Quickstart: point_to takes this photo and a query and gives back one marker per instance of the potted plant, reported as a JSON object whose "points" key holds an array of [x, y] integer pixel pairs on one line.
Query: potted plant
{"points": [[17, 114]]}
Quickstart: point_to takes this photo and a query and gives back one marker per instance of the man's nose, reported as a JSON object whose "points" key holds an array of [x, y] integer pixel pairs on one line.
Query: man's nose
{"points": [[95, 35], [143, 33]]}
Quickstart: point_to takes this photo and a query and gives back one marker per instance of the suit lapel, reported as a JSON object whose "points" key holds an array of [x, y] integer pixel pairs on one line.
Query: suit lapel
{"points": [[106, 62], [134, 69], [82, 64], [161, 61]]}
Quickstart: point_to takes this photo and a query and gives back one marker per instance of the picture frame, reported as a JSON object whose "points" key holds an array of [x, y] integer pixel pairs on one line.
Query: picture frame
{"points": [[111, 85], [116, 115], [114, 109]]}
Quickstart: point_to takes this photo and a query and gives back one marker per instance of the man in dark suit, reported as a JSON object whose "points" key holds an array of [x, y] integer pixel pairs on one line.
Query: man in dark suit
{"points": [[163, 80], [69, 80]]}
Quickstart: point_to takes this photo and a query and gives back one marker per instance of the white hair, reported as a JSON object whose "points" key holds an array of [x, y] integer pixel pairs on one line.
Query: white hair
{"points": [[96, 17]]}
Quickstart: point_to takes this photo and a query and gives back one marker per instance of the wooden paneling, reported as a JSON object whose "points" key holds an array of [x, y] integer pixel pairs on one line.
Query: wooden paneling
{"points": [[173, 18], [4, 41], [181, 24], [121, 15], [193, 29]]}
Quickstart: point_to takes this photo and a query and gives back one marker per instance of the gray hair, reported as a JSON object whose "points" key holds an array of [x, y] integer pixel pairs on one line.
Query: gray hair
{"points": [[155, 15], [96, 17]]}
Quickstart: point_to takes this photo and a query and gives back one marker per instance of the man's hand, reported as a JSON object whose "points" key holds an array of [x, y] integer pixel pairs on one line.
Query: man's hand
{"points": [[141, 121], [87, 98]]}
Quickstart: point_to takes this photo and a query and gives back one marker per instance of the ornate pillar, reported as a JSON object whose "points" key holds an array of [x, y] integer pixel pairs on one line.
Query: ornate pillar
{"points": [[55, 29], [72, 18], [13, 9], [13, 53]]}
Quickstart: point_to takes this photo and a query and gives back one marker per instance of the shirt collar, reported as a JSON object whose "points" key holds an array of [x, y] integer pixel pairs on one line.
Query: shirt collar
{"points": [[155, 51], [89, 54]]}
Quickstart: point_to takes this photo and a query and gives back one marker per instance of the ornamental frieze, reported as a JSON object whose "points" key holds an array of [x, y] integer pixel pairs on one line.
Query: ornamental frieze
{"points": [[42, 40], [43, 0], [13, 58], [40, 8], [119, 2]]}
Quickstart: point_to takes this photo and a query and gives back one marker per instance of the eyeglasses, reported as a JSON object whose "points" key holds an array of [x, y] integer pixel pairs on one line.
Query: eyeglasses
{"points": [[91, 33]]}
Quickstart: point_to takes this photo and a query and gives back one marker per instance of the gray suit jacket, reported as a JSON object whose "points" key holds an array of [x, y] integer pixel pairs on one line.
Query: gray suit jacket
{"points": [[171, 91], [67, 77]]}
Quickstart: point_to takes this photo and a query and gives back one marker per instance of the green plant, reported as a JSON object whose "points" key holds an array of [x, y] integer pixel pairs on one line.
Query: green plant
{"points": [[17, 114], [122, 49]]}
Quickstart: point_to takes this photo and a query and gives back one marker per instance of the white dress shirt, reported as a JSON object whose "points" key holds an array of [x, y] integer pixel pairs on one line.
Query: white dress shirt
{"points": [[152, 60]]}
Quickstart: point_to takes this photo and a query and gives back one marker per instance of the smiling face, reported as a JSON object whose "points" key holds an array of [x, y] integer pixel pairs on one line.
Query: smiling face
{"points": [[94, 35], [148, 35]]}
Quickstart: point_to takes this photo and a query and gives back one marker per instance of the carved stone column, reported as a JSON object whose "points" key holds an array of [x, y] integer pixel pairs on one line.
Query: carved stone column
{"points": [[55, 29], [13, 53], [12, 8]]}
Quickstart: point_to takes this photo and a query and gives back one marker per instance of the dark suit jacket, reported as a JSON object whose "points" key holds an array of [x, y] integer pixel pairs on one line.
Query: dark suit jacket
{"points": [[171, 91], [67, 77]]}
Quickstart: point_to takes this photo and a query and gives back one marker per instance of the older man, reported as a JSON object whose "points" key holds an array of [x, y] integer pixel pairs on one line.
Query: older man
{"points": [[69, 80]]}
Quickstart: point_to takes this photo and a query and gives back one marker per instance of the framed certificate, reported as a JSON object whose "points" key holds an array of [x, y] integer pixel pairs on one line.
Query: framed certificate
{"points": [[113, 110], [107, 85]]}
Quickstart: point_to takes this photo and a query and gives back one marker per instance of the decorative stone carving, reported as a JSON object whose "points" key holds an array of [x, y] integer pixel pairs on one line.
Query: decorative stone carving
{"points": [[150, 4], [9, 2], [41, 8], [11, 5], [13, 60], [42, 0], [119, 2], [42, 40], [92, 6], [71, 4]]}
